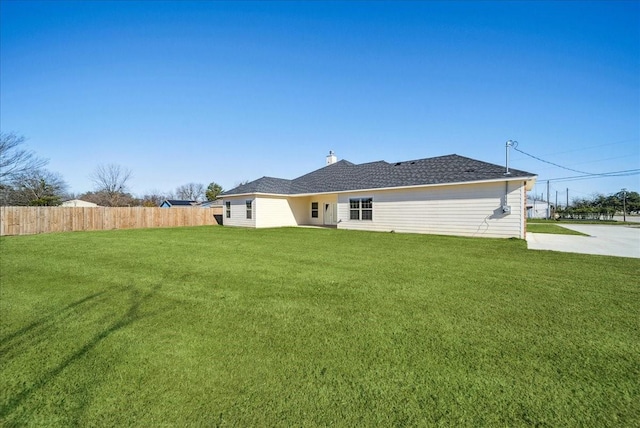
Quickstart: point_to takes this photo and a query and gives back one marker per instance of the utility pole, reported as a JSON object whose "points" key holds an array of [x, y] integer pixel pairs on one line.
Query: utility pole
{"points": [[624, 204], [548, 202], [556, 206], [567, 197]]}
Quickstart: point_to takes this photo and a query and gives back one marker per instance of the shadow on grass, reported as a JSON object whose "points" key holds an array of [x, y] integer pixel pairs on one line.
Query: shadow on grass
{"points": [[14, 340], [137, 299]]}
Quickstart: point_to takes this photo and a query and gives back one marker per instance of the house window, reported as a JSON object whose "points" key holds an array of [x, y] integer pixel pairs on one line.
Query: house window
{"points": [[248, 203], [354, 209], [361, 209], [367, 209], [314, 210], [228, 208]]}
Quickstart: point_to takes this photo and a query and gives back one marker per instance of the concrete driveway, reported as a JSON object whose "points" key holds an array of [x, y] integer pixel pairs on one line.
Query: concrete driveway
{"points": [[620, 241]]}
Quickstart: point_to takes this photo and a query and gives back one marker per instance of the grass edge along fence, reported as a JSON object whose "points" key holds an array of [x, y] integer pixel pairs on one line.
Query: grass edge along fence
{"points": [[35, 220]]}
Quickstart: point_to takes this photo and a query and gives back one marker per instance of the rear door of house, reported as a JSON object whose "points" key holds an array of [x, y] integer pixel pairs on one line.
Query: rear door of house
{"points": [[330, 216]]}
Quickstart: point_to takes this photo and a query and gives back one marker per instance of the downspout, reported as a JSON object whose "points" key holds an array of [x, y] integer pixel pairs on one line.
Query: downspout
{"points": [[524, 214], [506, 193], [506, 209]]}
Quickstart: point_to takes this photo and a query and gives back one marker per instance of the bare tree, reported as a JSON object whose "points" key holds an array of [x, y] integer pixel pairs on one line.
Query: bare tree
{"points": [[111, 181], [191, 192], [111, 178], [14, 160], [154, 198], [104, 200], [38, 187]]}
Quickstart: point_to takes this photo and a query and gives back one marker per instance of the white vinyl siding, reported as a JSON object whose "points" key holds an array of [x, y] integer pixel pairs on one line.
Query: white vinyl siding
{"points": [[265, 212], [274, 212], [465, 210], [239, 212], [461, 209], [302, 208]]}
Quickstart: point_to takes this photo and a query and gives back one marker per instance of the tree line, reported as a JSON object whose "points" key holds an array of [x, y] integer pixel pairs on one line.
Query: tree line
{"points": [[24, 181], [602, 206]]}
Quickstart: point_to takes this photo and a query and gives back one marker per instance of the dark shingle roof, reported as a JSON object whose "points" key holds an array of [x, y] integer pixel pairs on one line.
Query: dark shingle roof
{"points": [[263, 185], [344, 175]]}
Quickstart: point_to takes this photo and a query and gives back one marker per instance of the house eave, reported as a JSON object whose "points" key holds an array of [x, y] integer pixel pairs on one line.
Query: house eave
{"points": [[530, 181]]}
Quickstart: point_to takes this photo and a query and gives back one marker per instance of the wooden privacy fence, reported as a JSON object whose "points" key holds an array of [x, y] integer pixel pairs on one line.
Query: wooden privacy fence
{"points": [[33, 220]]}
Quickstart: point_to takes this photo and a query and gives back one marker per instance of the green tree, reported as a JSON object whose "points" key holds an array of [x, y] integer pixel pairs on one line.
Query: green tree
{"points": [[600, 206], [213, 190], [633, 202]]}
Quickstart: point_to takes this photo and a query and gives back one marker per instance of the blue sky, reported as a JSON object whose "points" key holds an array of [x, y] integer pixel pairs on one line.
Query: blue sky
{"points": [[212, 91]]}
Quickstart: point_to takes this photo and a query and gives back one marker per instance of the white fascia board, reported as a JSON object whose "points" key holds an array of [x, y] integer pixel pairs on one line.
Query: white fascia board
{"points": [[530, 181], [253, 195]]}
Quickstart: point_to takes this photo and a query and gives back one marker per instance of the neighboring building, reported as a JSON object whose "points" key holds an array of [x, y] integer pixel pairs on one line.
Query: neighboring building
{"points": [[537, 209], [211, 204], [449, 195], [216, 209], [168, 203], [78, 203]]}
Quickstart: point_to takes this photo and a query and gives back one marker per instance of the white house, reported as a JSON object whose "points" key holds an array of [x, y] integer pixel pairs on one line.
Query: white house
{"points": [[537, 209], [78, 203], [448, 195]]}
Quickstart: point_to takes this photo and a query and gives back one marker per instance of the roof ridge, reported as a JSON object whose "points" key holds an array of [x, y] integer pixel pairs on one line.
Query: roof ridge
{"points": [[369, 163], [274, 178], [341, 161]]}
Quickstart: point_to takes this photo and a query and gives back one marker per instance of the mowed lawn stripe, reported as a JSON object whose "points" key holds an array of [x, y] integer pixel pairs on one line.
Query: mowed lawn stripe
{"points": [[309, 327], [552, 228]]}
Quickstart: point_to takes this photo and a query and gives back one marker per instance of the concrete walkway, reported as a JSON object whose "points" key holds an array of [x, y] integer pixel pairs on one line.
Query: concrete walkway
{"points": [[620, 241], [629, 218]]}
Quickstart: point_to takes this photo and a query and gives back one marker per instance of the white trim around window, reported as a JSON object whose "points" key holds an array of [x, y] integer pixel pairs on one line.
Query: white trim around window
{"points": [[249, 206], [361, 209]]}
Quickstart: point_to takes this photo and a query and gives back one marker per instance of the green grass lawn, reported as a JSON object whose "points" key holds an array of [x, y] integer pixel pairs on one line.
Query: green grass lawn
{"points": [[551, 228], [214, 326]]}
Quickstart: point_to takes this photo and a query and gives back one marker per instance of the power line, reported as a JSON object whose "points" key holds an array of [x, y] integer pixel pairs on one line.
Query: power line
{"points": [[624, 173], [592, 161], [550, 163], [585, 175], [590, 147]]}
